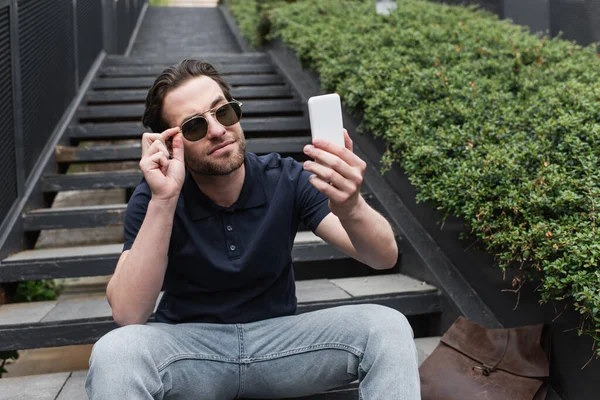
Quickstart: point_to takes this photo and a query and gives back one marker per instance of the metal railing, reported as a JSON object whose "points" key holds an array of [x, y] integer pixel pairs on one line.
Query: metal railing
{"points": [[578, 20], [47, 47]]}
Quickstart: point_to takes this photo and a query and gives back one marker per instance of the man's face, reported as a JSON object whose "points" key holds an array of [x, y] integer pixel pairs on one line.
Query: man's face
{"points": [[222, 150]]}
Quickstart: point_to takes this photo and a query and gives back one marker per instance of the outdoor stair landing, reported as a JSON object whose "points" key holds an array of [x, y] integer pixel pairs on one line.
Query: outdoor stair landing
{"points": [[81, 321]]}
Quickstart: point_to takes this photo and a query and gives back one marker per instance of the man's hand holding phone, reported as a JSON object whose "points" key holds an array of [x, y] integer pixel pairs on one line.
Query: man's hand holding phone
{"points": [[338, 172], [163, 169]]}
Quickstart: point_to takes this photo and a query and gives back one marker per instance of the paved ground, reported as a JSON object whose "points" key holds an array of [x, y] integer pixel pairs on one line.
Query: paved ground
{"points": [[177, 32]]}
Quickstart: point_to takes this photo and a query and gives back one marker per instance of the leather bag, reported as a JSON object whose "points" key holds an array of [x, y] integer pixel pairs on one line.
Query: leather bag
{"points": [[472, 362]]}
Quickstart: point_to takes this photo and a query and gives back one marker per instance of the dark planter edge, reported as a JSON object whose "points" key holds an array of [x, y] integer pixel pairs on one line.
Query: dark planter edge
{"points": [[230, 21]]}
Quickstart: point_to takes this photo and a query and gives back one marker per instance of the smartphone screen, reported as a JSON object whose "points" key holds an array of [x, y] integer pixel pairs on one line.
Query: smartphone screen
{"points": [[325, 114]]}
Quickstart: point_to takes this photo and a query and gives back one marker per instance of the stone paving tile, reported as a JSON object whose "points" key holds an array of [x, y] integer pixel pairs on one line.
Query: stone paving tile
{"points": [[178, 32]]}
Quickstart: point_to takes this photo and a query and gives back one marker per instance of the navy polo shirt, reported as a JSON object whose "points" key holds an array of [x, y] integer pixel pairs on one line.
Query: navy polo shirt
{"points": [[234, 264]]}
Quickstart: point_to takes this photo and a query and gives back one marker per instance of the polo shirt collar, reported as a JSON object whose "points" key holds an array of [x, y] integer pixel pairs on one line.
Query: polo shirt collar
{"points": [[199, 206]]}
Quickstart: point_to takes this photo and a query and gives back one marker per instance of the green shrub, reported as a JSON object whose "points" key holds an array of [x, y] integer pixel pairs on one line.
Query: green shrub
{"points": [[493, 124], [159, 3], [7, 357], [36, 291], [252, 17]]}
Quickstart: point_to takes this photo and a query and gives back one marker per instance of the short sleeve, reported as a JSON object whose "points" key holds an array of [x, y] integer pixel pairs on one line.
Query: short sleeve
{"points": [[311, 204], [136, 211]]}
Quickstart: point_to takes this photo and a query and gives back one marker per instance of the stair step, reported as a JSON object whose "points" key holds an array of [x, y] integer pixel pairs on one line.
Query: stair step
{"points": [[91, 181], [252, 127], [88, 216], [71, 385], [310, 255], [242, 93], [74, 217], [133, 151], [82, 321], [213, 58], [156, 70], [129, 111], [146, 82]]}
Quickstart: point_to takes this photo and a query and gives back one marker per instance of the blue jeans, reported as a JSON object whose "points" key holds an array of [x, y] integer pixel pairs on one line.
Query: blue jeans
{"points": [[281, 357]]}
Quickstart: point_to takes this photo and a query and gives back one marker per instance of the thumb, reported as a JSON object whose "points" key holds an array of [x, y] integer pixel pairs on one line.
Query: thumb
{"points": [[178, 147]]}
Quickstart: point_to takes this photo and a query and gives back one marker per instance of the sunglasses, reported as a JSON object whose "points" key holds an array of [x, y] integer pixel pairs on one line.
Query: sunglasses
{"points": [[227, 114]]}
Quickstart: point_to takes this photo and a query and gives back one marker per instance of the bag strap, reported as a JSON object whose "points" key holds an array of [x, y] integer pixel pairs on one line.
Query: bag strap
{"points": [[485, 368]]}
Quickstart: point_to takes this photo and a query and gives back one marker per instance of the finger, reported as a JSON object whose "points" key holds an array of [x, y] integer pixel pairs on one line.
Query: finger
{"points": [[147, 140], [160, 161], [328, 190], [167, 138], [342, 152], [177, 143], [163, 163], [347, 141], [333, 161], [153, 161], [169, 133], [327, 174], [158, 146]]}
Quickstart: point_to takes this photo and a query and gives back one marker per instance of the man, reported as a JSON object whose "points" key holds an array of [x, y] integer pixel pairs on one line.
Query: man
{"points": [[214, 226]]}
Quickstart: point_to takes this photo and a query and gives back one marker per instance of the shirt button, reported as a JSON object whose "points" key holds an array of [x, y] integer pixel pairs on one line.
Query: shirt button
{"points": [[229, 228], [232, 247]]}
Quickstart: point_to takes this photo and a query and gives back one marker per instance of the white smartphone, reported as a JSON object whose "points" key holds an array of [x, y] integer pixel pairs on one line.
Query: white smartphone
{"points": [[325, 114]]}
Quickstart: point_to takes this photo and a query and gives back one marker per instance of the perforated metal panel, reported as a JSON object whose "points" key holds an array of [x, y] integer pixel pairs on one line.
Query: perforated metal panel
{"points": [[495, 6], [8, 177], [533, 13], [47, 69], [123, 24], [133, 13], [127, 13], [579, 20], [89, 34]]}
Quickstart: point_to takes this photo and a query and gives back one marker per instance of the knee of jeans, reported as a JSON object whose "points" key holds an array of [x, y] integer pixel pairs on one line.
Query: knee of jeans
{"points": [[122, 344], [382, 320]]}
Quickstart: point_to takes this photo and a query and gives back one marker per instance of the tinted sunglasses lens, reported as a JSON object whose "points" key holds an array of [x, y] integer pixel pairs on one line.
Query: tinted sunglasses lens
{"points": [[194, 129], [229, 114]]}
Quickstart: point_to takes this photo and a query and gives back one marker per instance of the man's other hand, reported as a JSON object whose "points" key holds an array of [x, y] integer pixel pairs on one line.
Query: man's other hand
{"points": [[163, 169]]}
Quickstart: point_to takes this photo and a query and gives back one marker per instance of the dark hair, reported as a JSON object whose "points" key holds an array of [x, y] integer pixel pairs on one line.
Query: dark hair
{"points": [[172, 78]]}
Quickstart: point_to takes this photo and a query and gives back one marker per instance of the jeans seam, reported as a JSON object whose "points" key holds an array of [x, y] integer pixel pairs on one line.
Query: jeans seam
{"points": [[314, 347], [193, 356], [154, 393], [242, 367], [360, 378]]}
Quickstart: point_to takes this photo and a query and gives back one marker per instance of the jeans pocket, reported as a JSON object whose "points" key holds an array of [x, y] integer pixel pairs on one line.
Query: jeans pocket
{"points": [[353, 365]]}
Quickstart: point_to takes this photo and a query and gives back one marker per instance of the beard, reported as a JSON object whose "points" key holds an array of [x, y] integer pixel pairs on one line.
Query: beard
{"points": [[223, 165]]}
